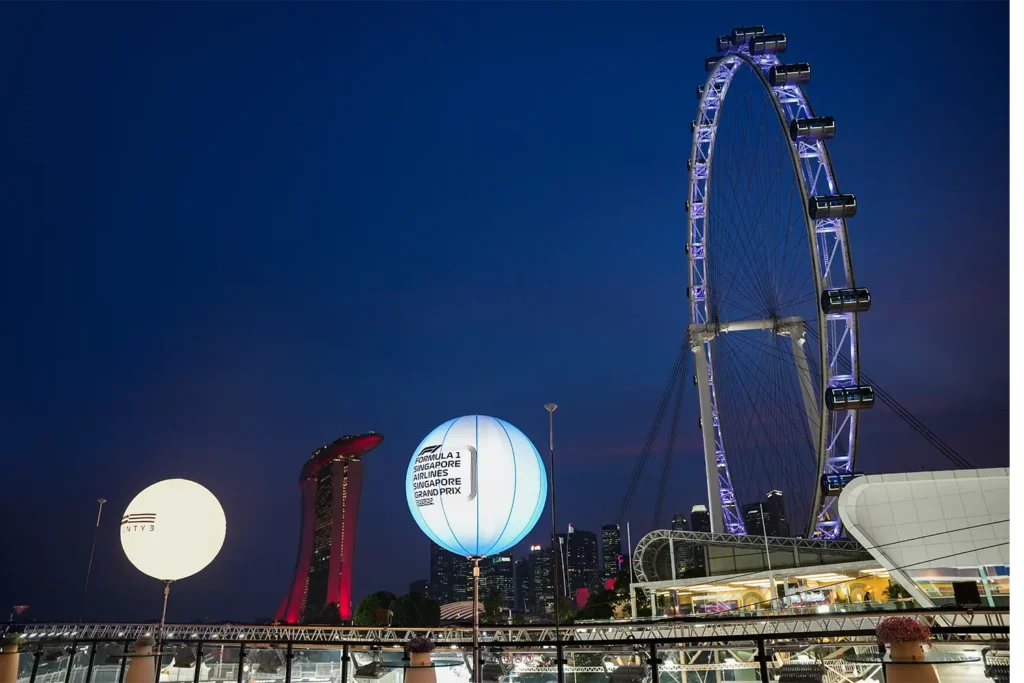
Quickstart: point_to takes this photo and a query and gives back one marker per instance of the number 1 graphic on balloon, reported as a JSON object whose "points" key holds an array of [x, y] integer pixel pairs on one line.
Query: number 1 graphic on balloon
{"points": [[472, 473]]}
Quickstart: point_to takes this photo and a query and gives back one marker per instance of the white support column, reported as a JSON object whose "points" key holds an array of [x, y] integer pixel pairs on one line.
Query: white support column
{"points": [[797, 335], [672, 556], [708, 432]]}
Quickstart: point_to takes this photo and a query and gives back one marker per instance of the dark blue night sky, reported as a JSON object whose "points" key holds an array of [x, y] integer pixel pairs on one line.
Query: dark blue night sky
{"points": [[235, 231]]}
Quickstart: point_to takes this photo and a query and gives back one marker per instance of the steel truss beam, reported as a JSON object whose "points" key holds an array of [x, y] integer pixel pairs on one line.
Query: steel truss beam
{"points": [[681, 630]]}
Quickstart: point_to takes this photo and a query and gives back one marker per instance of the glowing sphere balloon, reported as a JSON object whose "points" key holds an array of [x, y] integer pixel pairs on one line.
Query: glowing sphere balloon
{"points": [[173, 529], [476, 485]]}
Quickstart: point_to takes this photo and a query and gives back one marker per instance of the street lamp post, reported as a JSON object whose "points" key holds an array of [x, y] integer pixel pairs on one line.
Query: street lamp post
{"points": [[550, 407]]}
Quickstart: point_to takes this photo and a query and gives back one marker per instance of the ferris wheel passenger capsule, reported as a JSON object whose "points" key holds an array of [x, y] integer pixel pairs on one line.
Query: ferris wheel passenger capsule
{"points": [[850, 398], [744, 33], [710, 63], [768, 44], [789, 74], [854, 300], [817, 128], [723, 43], [700, 91], [832, 206]]}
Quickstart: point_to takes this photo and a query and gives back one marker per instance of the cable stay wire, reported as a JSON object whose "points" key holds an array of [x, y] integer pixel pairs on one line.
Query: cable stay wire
{"points": [[645, 451], [670, 448], [904, 414]]}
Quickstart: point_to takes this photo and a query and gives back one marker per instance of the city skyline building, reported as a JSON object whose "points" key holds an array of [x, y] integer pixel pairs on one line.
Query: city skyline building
{"points": [[700, 520], [497, 572], [773, 509], [524, 585], [611, 550], [543, 583], [680, 523], [582, 559], [775, 520], [451, 576], [330, 482], [419, 587]]}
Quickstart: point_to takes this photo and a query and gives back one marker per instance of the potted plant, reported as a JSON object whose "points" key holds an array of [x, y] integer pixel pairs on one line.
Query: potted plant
{"points": [[141, 667], [421, 670], [9, 657], [905, 636]]}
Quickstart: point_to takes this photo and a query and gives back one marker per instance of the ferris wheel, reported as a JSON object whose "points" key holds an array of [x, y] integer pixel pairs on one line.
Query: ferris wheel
{"points": [[773, 303]]}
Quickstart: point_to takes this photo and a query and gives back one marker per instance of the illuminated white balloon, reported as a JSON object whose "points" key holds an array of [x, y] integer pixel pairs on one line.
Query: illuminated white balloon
{"points": [[476, 485], [173, 529]]}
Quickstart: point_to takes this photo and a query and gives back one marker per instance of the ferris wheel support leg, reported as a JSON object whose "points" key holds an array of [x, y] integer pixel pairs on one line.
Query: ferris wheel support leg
{"points": [[708, 432], [806, 388]]}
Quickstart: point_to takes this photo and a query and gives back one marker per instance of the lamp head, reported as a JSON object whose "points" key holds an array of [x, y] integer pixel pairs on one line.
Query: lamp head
{"points": [[550, 407]]}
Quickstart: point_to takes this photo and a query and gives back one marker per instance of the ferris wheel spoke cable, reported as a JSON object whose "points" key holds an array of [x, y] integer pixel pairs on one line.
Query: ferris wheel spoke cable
{"points": [[757, 370], [750, 437]]}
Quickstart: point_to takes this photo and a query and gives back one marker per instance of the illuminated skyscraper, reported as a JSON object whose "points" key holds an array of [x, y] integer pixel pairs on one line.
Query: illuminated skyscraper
{"points": [[496, 574], [330, 482], [679, 523], [611, 550], [582, 559], [543, 580], [451, 576]]}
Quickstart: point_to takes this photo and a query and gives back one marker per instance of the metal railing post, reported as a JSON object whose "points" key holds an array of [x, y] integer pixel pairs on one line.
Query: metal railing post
{"points": [[124, 661], [288, 664], [199, 661], [35, 663], [92, 658], [344, 663], [762, 658], [241, 661], [655, 676], [71, 660]]}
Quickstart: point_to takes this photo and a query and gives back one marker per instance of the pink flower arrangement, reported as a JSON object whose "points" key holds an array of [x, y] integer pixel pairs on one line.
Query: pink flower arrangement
{"points": [[902, 630]]}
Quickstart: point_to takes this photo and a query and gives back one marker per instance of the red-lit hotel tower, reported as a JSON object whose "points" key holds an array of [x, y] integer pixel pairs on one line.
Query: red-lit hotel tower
{"points": [[330, 483]]}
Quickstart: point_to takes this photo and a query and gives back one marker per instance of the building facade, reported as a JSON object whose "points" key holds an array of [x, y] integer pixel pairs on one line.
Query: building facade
{"points": [[418, 587], [524, 585], [936, 533], [700, 520], [611, 551], [497, 573], [582, 559], [680, 523], [767, 517], [330, 482], [775, 522], [542, 571], [451, 576]]}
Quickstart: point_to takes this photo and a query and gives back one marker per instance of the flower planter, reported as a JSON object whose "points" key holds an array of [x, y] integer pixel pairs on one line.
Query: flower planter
{"points": [[9, 663], [421, 669], [141, 665]]}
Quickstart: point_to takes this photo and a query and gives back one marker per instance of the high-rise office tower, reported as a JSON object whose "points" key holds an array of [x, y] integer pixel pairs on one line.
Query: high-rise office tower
{"points": [[543, 579], [684, 551], [524, 585], [700, 520], [752, 521], [679, 523], [582, 559], [767, 517], [611, 550], [330, 482], [497, 574], [775, 515], [418, 587], [451, 576]]}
